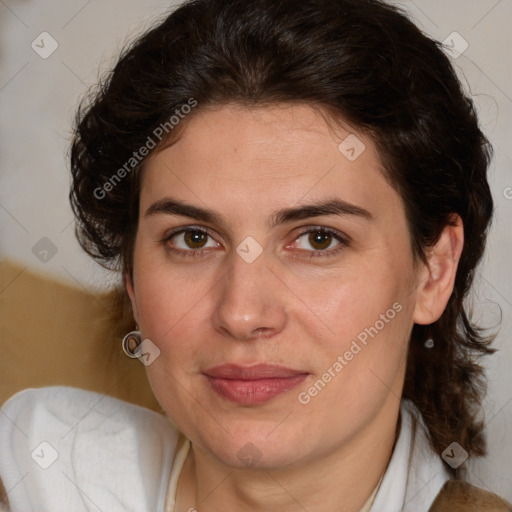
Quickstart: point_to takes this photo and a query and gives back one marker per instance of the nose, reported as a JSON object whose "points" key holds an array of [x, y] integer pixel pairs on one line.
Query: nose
{"points": [[250, 301]]}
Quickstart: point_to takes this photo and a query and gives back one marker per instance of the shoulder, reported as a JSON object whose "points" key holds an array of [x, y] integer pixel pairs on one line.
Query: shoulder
{"points": [[58, 443], [35, 414], [63, 404], [459, 496]]}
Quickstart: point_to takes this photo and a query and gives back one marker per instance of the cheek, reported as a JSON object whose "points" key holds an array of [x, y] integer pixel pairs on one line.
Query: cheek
{"points": [[355, 298], [174, 314], [361, 366], [369, 318], [165, 297], [170, 317]]}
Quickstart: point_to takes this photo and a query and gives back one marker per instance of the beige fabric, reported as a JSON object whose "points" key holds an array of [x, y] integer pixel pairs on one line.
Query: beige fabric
{"points": [[459, 496], [3, 499], [180, 456], [56, 334]]}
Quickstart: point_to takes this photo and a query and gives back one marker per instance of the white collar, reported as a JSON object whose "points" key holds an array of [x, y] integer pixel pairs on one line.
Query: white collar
{"points": [[415, 473]]}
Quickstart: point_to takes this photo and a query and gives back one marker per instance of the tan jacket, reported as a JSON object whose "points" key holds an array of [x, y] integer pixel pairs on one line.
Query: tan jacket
{"points": [[459, 496]]}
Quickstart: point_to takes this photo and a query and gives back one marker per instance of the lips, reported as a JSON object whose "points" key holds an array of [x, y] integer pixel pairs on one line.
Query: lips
{"points": [[255, 372], [253, 385]]}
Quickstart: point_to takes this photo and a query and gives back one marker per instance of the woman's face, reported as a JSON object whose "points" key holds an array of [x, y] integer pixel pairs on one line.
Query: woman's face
{"points": [[236, 266]]}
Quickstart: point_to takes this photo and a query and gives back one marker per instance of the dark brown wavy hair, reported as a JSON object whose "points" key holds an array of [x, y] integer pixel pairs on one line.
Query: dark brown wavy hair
{"points": [[361, 61]]}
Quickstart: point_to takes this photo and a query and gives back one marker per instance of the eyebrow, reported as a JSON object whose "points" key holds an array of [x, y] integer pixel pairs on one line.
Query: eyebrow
{"points": [[335, 206]]}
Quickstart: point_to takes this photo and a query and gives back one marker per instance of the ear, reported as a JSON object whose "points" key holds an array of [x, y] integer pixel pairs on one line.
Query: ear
{"points": [[436, 280], [130, 288]]}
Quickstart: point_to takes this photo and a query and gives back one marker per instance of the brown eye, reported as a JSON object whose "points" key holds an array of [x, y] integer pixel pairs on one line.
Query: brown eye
{"points": [[320, 239], [320, 242], [189, 240], [195, 239]]}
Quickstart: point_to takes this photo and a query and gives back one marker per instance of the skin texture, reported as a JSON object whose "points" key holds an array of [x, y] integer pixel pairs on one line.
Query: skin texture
{"points": [[285, 307]]}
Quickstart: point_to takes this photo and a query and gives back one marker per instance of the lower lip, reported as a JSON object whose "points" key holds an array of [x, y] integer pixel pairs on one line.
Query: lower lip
{"points": [[254, 392]]}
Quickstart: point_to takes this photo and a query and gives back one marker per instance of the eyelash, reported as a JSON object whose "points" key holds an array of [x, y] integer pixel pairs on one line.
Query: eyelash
{"points": [[343, 242]]}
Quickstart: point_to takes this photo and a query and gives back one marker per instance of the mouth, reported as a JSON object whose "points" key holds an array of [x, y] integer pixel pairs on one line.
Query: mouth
{"points": [[253, 385]]}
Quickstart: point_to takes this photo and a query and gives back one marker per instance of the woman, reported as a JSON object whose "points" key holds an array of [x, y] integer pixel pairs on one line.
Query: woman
{"points": [[295, 195]]}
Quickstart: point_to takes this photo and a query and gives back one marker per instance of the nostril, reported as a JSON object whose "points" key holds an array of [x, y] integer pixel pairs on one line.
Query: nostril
{"points": [[263, 332]]}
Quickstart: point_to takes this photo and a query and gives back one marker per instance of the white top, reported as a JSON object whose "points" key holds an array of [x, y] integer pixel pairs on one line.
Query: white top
{"points": [[64, 449]]}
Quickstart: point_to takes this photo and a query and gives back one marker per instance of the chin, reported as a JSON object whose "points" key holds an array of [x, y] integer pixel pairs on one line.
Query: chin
{"points": [[256, 449]]}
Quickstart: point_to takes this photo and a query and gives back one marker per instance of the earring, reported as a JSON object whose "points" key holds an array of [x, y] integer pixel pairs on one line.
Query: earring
{"points": [[128, 342]]}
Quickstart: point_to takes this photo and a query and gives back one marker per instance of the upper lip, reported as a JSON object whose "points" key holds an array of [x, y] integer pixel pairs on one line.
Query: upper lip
{"points": [[253, 372]]}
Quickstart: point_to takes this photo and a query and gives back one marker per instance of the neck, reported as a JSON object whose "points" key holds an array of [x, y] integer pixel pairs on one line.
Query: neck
{"points": [[329, 483]]}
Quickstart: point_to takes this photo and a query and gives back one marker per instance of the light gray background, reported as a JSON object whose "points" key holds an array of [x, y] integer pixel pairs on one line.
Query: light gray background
{"points": [[38, 98]]}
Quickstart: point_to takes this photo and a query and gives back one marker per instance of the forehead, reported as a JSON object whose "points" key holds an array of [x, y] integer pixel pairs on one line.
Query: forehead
{"points": [[265, 157]]}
